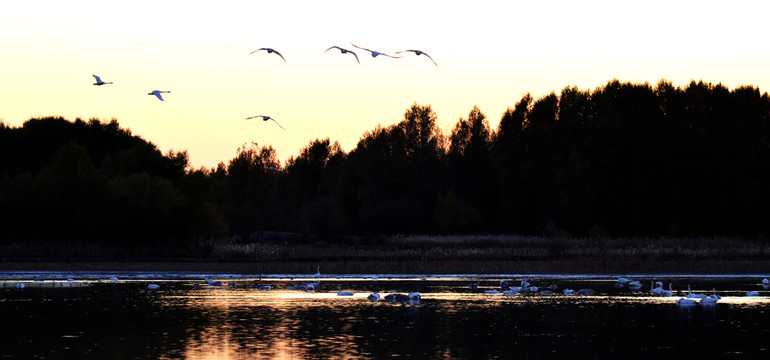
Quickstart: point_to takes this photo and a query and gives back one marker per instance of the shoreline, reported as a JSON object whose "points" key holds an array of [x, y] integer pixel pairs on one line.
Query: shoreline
{"points": [[437, 267]]}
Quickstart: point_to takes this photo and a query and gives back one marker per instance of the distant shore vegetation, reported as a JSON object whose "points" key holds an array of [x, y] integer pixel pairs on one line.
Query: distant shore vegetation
{"points": [[623, 160]]}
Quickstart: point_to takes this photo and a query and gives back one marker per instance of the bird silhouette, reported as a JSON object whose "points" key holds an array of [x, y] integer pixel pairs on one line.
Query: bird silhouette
{"points": [[344, 51], [157, 93], [418, 53], [265, 118], [270, 51], [375, 53], [99, 81]]}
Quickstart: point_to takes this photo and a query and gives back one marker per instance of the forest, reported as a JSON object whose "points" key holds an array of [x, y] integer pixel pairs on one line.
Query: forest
{"points": [[624, 159]]}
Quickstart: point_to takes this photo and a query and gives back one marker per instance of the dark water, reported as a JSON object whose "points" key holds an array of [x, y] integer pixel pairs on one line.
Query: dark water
{"points": [[125, 320]]}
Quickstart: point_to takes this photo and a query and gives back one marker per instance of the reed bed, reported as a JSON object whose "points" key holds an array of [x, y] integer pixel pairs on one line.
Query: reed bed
{"points": [[296, 253]]}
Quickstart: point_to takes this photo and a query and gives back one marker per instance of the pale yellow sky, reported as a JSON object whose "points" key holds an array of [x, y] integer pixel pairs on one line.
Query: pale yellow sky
{"points": [[489, 54]]}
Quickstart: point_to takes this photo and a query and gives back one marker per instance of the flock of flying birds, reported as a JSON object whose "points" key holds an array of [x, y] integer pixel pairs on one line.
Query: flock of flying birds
{"points": [[374, 54]]}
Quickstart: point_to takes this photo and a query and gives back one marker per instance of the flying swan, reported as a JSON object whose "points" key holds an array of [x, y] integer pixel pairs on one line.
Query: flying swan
{"points": [[270, 51], [266, 118]]}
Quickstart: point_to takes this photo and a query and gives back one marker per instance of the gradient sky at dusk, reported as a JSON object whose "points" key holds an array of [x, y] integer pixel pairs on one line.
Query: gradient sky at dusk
{"points": [[489, 54]]}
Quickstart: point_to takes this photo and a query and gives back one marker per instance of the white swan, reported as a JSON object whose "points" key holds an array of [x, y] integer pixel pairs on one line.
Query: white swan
{"points": [[344, 51], [694, 296], [20, 285], [318, 268], [266, 118], [375, 53], [708, 301], [765, 281], [512, 291], [586, 292], [99, 81], [157, 93], [668, 292], [373, 297], [656, 291], [270, 51], [568, 292], [686, 302], [634, 285], [714, 294], [418, 53]]}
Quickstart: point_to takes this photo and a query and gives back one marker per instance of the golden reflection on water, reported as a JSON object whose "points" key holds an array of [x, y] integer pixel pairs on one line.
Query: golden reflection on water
{"points": [[288, 324], [234, 333]]}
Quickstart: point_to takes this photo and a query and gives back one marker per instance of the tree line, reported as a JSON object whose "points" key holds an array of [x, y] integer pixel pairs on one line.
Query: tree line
{"points": [[623, 159]]}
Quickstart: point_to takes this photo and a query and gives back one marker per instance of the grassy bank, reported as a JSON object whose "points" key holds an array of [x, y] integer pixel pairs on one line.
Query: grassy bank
{"points": [[297, 254]]}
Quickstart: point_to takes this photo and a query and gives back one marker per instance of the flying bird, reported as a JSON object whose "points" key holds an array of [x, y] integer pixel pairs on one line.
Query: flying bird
{"points": [[344, 51], [157, 93], [265, 118], [99, 81], [418, 53], [375, 53], [270, 51]]}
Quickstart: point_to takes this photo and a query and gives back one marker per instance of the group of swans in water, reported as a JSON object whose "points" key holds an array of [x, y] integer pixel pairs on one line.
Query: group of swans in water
{"points": [[656, 289]]}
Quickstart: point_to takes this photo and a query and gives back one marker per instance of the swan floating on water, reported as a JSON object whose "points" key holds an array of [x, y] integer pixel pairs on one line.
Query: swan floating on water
{"points": [[586, 292], [709, 301], [397, 297], [668, 292], [694, 296], [657, 291], [373, 297], [20, 285], [512, 291], [686, 302], [634, 285], [568, 292]]}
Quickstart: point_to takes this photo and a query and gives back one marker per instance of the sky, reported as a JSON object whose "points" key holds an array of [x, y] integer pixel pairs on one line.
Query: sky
{"points": [[489, 54]]}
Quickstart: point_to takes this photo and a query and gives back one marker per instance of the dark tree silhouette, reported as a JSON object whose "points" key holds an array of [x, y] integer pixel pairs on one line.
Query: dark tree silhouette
{"points": [[622, 159]]}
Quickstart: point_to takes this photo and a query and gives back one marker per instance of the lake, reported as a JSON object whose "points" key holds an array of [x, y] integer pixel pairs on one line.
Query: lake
{"points": [[92, 317]]}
